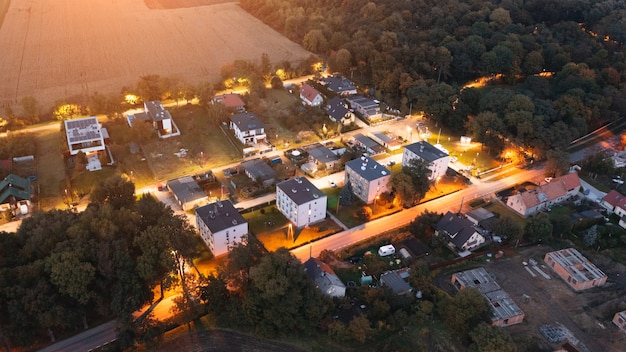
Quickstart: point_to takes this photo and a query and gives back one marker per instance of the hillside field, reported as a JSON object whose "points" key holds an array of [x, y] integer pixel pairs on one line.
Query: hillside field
{"points": [[55, 49]]}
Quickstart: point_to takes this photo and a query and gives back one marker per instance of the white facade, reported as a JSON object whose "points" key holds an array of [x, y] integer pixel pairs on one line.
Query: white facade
{"points": [[369, 179], [248, 128], [300, 201], [220, 226], [437, 159]]}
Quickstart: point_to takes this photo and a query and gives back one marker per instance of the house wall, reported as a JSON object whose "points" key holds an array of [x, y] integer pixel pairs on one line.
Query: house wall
{"points": [[509, 321], [515, 202], [473, 242], [438, 167], [619, 319], [251, 136], [220, 242], [571, 281], [304, 214], [364, 189]]}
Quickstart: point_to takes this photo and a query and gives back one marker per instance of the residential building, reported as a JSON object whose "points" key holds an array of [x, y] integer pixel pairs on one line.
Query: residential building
{"points": [[544, 196], [259, 171], [161, 119], [479, 216], [187, 192], [387, 140], [220, 226], [460, 233], [338, 111], [578, 272], [321, 155], [619, 319], [15, 192], [231, 101], [87, 136], [310, 96], [369, 179], [395, 280], [615, 203], [324, 278], [436, 158], [248, 128], [368, 145], [505, 311], [300, 201], [368, 108], [339, 84]]}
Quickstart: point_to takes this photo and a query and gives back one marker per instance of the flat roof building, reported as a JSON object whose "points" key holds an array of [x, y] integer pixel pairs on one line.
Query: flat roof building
{"points": [[578, 272], [505, 311], [187, 192]]}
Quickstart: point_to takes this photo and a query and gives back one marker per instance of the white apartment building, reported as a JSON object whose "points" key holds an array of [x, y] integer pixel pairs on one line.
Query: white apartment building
{"points": [[300, 201], [369, 179], [220, 226], [436, 158], [248, 128]]}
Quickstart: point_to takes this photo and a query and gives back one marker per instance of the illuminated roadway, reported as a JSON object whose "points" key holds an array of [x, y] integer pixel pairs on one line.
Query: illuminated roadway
{"points": [[450, 202]]}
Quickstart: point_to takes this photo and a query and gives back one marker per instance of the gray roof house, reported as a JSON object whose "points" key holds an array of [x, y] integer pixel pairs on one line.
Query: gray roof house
{"points": [[337, 110], [187, 192], [370, 146], [322, 155], [395, 282], [324, 278], [258, 170], [339, 84], [460, 232]]}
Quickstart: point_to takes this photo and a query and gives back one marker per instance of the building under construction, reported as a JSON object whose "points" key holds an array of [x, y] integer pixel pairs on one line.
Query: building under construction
{"points": [[505, 311], [575, 269]]}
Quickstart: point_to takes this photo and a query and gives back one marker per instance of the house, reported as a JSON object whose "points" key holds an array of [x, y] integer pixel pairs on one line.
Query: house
{"points": [[619, 319], [544, 196], [436, 158], [368, 145], [187, 192], [504, 310], [368, 108], [161, 119], [395, 282], [321, 155], [259, 171], [339, 85], [248, 128], [87, 136], [300, 201], [15, 192], [387, 140], [220, 226], [324, 278], [578, 272], [615, 203], [368, 178], [461, 233], [231, 101], [337, 111], [479, 216], [310, 96]]}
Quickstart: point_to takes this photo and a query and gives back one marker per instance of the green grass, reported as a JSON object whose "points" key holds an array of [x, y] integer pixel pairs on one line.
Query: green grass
{"points": [[50, 168], [502, 211]]}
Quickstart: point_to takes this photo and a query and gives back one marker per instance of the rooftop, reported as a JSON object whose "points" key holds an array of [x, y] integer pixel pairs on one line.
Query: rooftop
{"points": [[300, 190], [336, 108], [337, 83], [394, 281], [246, 121], [426, 151], [83, 130], [368, 168], [308, 92], [219, 215], [368, 143], [321, 153], [258, 169], [186, 189], [15, 186], [230, 100], [156, 111], [558, 187], [576, 264]]}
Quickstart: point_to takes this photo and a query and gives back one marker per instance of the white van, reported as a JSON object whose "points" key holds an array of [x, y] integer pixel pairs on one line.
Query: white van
{"points": [[386, 250]]}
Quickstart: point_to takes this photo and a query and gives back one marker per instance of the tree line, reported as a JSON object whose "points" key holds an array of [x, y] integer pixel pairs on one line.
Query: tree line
{"points": [[560, 63]]}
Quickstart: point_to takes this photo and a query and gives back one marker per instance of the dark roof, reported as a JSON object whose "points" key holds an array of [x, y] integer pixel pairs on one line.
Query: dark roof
{"points": [[458, 229], [321, 153], [369, 143], [426, 151], [220, 215], [368, 168], [186, 189], [258, 168], [336, 108], [393, 280], [82, 129], [246, 121], [15, 186], [156, 111], [300, 190], [322, 274], [337, 83], [480, 214]]}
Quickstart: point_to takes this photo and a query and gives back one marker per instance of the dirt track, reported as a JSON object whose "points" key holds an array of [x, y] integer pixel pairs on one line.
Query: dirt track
{"points": [[55, 49]]}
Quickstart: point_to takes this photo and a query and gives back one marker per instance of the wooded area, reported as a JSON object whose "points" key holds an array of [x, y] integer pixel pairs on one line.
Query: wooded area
{"points": [[559, 64]]}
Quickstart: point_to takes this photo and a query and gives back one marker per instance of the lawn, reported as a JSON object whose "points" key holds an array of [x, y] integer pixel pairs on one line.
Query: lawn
{"points": [[271, 228], [50, 168], [502, 211]]}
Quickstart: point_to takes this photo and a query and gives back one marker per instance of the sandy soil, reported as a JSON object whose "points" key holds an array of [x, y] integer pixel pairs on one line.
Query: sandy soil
{"points": [[55, 49]]}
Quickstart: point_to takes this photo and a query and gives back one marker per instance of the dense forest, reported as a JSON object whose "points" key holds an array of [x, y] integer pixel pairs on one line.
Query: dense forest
{"points": [[558, 64]]}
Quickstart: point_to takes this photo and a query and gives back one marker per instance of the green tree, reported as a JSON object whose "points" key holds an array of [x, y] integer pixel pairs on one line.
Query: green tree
{"points": [[487, 338], [150, 87], [419, 171], [30, 107], [465, 310], [538, 228], [557, 162], [346, 195], [116, 191], [315, 41], [423, 226], [402, 184], [360, 329], [508, 229]]}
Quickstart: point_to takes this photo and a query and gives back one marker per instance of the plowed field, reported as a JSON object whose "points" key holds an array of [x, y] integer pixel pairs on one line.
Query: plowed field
{"points": [[54, 49]]}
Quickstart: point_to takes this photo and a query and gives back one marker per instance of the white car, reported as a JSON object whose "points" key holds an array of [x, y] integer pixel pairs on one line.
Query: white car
{"points": [[618, 181]]}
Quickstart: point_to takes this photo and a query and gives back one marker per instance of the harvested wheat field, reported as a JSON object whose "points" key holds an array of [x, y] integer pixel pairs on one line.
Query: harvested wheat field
{"points": [[54, 49]]}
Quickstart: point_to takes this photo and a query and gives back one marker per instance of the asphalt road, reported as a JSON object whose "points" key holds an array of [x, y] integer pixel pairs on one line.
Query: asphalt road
{"points": [[86, 341]]}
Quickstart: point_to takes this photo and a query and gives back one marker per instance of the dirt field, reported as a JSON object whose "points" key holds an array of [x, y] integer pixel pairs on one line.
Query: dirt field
{"points": [[586, 314], [56, 49]]}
